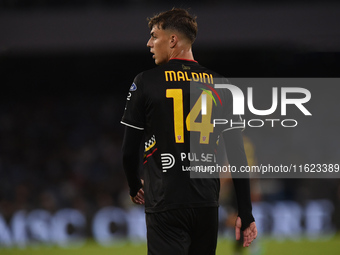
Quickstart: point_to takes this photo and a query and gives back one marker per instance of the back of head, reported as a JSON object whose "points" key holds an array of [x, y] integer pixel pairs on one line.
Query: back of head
{"points": [[176, 19]]}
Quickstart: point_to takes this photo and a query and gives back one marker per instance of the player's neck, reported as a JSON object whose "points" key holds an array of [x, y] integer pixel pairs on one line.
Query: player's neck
{"points": [[182, 54]]}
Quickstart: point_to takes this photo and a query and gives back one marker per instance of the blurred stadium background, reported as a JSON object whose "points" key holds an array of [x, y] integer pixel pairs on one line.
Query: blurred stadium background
{"points": [[66, 67]]}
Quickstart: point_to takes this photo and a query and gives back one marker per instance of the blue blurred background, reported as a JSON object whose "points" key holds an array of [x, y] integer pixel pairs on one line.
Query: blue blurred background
{"points": [[66, 67]]}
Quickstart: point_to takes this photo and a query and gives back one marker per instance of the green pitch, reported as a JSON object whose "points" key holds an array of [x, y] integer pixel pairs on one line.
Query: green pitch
{"points": [[225, 247]]}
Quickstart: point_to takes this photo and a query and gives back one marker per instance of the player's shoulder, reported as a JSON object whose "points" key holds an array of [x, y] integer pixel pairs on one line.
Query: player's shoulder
{"points": [[218, 80], [214, 73], [144, 75]]}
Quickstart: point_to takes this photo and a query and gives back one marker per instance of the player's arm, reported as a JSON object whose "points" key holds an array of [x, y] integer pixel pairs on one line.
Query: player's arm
{"points": [[236, 155], [131, 155]]}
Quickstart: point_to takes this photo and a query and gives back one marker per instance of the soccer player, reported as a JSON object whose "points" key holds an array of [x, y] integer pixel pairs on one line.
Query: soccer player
{"points": [[164, 108]]}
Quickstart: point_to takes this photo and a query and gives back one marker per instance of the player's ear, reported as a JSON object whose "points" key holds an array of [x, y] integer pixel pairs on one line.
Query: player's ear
{"points": [[173, 40]]}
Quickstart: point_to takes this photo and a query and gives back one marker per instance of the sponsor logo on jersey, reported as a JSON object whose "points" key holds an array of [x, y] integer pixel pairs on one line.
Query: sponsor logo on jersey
{"points": [[133, 87], [168, 161]]}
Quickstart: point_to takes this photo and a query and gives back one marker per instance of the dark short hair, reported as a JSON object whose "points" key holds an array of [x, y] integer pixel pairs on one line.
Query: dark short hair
{"points": [[177, 19]]}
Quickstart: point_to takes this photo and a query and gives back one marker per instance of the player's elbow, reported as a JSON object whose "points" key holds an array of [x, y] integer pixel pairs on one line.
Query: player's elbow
{"points": [[131, 146], [127, 154]]}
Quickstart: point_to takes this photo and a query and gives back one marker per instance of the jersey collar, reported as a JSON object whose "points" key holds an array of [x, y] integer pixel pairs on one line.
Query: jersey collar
{"points": [[183, 59]]}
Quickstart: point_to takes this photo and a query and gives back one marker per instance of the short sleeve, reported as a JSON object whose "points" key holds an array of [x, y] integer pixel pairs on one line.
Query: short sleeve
{"points": [[134, 115]]}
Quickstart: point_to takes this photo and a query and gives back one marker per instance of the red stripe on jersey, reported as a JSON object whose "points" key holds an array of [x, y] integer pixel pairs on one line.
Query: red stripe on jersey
{"points": [[149, 155], [214, 92]]}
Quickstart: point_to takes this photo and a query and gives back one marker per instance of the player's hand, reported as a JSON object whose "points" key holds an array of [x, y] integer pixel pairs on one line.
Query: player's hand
{"points": [[139, 198], [249, 234]]}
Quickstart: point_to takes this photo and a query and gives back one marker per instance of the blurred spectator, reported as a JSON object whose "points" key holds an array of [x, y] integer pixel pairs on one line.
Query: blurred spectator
{"points": [[58, 152]]}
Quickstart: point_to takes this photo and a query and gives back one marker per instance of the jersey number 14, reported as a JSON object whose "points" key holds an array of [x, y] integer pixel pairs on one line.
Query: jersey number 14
{"points": [[203, 105]]}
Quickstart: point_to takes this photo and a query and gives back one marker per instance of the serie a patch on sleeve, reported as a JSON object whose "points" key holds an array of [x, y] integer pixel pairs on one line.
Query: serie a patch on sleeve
{"points": [[133, 87]]}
